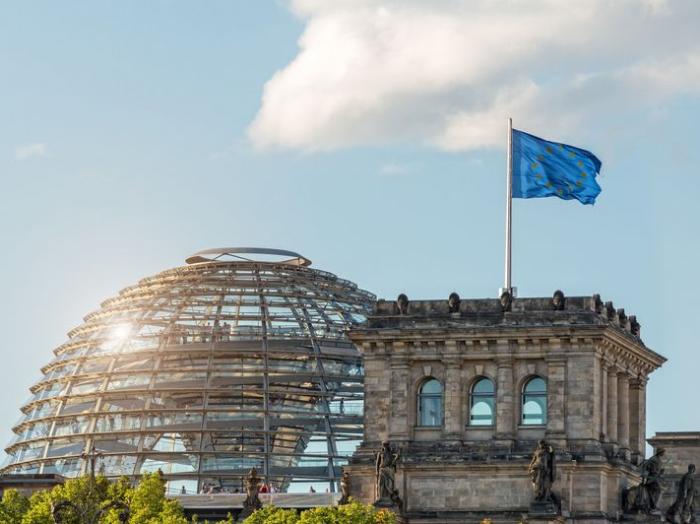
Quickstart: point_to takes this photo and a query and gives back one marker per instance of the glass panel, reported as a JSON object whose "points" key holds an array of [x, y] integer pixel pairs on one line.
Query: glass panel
{"points": [[180, 380], [431, 386], [481, 412], [60, 447], [430, 410], [71, 426], [129, 382], [536, 385], [484, 385], [535, 402], [86, 386], [180, 420], [66, 467], [95, 365], [534, 409], [118, 422]]}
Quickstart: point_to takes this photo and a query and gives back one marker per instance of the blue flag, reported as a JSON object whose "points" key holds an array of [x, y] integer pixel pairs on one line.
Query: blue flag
{"points": [[542, 169]]}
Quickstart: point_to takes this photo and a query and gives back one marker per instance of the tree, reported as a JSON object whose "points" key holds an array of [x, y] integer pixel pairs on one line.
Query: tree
{"points": [[353, 513], [89, 498], [13, 507]]}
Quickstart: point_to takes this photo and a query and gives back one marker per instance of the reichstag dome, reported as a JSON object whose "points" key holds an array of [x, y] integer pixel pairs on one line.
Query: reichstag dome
{"points": [[238, 359]]}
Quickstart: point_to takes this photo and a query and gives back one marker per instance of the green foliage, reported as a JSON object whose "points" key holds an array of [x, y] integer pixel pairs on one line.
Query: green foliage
{"points": [[149, 505], [85, 497], [353, 513], [272, 515], [13, 507]]}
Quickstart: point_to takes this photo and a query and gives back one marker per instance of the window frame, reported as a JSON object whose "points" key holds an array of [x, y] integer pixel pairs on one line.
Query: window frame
{"points": [[538, 396], [476, 397], [429, 396]]}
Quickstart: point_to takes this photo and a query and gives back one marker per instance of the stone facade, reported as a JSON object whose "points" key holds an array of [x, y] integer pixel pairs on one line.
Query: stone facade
{"points": [[588, 355]]}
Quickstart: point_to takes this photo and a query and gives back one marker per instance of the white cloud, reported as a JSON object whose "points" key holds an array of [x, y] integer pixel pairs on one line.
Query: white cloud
{"points": [[27, 151], [448, 73]]}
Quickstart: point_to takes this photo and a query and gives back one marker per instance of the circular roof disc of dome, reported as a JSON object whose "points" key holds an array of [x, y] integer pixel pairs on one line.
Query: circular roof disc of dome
{"points": [[243, 254]]}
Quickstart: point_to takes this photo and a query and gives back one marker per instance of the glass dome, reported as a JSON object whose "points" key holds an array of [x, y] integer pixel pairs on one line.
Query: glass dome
{"points": [[237, 360]]}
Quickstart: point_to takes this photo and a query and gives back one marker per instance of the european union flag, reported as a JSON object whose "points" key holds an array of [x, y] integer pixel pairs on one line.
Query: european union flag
{"points": [[542, 169]]}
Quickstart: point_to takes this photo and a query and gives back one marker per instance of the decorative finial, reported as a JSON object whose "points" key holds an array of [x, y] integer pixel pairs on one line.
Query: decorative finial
{"points": [[558, 300], [402, 304], [453, 302]]}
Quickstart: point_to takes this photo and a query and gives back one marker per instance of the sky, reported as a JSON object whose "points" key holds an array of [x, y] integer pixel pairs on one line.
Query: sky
{"points": [[367, 135]]}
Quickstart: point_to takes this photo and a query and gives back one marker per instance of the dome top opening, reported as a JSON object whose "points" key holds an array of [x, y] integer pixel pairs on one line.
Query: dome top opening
{"points": [[249, 254]]}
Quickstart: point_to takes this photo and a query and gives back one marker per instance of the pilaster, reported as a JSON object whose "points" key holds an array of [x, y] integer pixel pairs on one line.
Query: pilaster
{"points": [[612, 405], [505, 388]]}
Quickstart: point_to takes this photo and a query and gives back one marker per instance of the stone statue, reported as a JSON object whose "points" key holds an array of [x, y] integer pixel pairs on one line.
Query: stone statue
{"points": [[643, 497], [252, 488], [402, 304], [345, 488], [453, 302], [506, 300], [542, 473], [385, 466], [683, 511], [558, 300]]}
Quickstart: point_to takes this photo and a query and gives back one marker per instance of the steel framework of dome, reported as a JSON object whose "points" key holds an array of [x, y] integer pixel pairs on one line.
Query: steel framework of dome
{"points": [[204, 372]]}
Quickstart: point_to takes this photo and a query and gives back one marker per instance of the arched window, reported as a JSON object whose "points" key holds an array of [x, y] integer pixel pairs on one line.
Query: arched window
{"points": [[483, 398], [535, 402], [430, 403]]}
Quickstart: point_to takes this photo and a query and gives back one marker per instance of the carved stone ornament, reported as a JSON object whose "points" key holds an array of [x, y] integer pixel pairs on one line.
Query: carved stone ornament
{"points": [[506, 300], [609, 311], [597, 304], [542, 472], [635, 326], [402, 304], [558, 300], [644, 497], [453, 302], [387, 496], [683, 509]]}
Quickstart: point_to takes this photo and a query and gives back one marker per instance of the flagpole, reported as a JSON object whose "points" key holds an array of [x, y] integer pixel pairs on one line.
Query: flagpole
{"points": [[509, 208]]}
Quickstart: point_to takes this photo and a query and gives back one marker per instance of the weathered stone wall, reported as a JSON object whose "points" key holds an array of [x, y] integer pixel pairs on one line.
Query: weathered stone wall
{"points": [[595, 367]]}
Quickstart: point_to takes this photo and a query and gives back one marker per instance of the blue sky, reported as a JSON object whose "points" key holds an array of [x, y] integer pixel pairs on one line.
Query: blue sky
{"points": [[367, 135]]}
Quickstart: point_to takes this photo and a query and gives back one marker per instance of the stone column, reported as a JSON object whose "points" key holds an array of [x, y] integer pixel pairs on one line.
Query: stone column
{"points": [[623, 410], [454, 403], [642, 416], [638, 417], [505, 393], [612, 404]]}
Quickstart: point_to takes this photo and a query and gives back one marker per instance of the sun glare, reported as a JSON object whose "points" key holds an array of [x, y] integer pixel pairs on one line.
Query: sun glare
{"points": [[121, 331]]}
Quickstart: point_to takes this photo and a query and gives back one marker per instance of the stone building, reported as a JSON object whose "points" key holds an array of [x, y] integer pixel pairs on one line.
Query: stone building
{"points": [[465, 389]]}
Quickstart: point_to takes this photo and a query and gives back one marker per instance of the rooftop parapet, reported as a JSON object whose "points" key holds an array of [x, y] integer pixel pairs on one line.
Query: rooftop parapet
{"points": [[506, 311]]}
